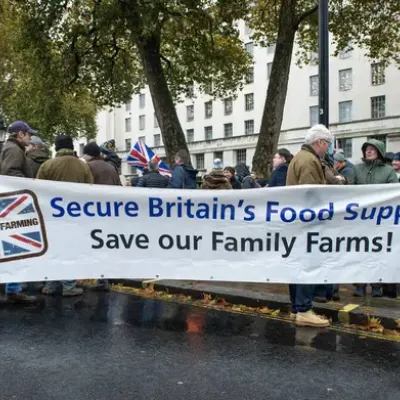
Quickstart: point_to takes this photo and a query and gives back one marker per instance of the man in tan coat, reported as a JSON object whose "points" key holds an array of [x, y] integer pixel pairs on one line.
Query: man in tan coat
{"points": [[306, 169], [65, 167]]}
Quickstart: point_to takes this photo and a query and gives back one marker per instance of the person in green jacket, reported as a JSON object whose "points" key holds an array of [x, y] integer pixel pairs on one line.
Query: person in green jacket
{"points": [[373, 170]]}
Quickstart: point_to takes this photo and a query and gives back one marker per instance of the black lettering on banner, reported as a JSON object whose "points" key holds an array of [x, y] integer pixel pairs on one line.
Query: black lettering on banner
{"points": [[94, 236]]}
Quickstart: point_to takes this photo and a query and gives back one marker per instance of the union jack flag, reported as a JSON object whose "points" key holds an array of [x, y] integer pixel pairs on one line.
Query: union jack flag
{"points": [[22, 232], [140, 155]]}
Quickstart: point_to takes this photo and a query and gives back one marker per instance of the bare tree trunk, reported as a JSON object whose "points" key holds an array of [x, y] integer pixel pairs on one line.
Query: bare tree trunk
{"points": [[277, 90], [171, 129]]}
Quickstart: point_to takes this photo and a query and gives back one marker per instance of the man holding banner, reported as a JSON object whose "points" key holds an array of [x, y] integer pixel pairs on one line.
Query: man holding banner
{"points": [[306, 169]]}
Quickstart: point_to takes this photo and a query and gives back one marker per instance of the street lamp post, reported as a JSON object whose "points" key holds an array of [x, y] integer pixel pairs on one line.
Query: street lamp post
{"points": [[323, 50]]}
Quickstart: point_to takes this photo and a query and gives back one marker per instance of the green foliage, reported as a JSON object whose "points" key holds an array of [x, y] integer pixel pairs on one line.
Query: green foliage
{"points": [[368, 24], [32, 87], [97, 43]]}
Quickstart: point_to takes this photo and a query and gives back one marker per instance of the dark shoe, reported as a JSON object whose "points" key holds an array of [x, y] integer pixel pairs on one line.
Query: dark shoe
{"points": [[376, 292], [21, 298], [72, 292], [359, 292], [336, 297], [320, 299]]}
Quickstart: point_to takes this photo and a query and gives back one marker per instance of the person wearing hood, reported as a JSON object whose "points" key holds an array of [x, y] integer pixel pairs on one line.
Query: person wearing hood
{"points": [[183, 176], [216, 180], [344, 167], [37, 154], [244, 176], [229, 173], [281, 163], [396, 164], [373, 171]]}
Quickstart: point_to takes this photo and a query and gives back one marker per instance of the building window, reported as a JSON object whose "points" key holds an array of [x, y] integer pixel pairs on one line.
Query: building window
{"points": [[314, 115], [347, 146], [128, 124], [190, 135], [228, 130], [271, 49], [347, 52], [249, 101], [220, 155], [314, 85], [142, 100], [228, 106], [377, 74], [81, 147], [128, 144], [190, 91], [199, 161], [249, 127], [128, 106], [345, 79], [269, 69], [157, 140], [208, 110], [241, 156], [142, 122], [378, 107], [345, 111], [313, 58], [208, 88], [142, 139], [155, 121], [208, 132], [133, 170], [250, 48], [190, 113], [381, 138], [250, 75]]}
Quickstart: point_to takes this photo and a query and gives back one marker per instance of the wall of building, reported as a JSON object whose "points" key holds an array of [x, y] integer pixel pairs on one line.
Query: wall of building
{"points": [[296, 121]]}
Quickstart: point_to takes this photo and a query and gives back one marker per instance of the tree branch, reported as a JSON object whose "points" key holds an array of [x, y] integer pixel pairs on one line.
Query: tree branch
{"points": [[305, 15], [167, 61]]}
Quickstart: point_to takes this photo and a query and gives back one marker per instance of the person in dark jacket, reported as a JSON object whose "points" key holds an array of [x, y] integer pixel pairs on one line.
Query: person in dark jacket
{"points": [[13, 162], [183, 176], [108, 151], [281, 162], [153, 179], [244, 175], [344, 167], [229, 172], [37, 153], [103, 172]]}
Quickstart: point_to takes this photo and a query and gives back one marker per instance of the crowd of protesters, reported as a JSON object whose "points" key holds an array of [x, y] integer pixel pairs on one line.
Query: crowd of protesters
{"points": [[25, 155]]}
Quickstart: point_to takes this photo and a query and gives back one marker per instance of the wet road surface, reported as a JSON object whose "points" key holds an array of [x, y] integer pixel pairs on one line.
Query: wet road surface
{"points": [[117, 346]]}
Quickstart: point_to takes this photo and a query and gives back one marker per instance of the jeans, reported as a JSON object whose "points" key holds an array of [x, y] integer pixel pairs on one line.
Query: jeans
{"points": [[67, 285], [13, 288], [301, 297], [324, 291]]}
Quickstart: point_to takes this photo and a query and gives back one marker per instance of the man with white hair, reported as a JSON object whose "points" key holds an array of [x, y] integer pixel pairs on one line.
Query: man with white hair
{"points": [[306, 169]]}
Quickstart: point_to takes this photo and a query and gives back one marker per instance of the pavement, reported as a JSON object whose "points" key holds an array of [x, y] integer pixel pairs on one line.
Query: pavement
{"points": [[112, 345], [349, 310]]}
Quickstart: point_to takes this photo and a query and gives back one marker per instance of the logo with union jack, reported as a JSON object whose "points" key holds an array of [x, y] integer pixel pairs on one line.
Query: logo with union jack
{"points": [[22, 229]]}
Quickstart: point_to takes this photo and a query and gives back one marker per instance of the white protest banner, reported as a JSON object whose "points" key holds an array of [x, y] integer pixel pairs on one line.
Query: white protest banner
{"points": [[305, 234]]}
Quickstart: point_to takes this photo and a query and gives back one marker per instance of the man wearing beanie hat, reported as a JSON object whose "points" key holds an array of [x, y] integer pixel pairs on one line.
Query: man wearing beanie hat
{"points": [[65, 167], [103, 173]]}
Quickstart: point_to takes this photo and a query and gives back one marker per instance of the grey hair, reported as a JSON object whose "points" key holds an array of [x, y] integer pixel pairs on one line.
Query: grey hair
{"points": [[318, 132], [153, 166]]}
